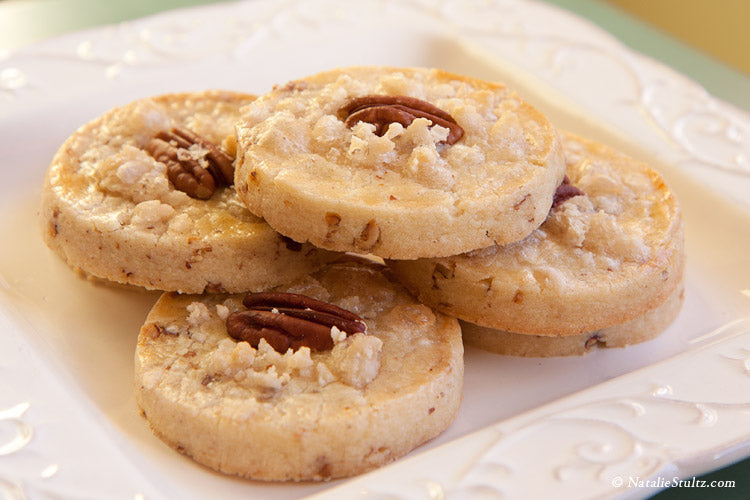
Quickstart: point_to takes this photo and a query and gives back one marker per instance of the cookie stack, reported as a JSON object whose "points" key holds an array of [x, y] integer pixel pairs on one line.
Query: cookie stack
{"points": [[605, 268], [543, 243], [319, 244]]}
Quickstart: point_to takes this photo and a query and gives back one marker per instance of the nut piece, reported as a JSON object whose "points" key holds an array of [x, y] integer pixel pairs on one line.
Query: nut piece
{"points": [[219, 163], [564, 192], [592, 341], [289, 320], [369, 236], [382, 110], [184, 169]]}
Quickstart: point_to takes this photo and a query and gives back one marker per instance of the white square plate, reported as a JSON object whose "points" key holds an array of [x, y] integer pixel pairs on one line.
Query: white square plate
{"points": [[581, 427]]}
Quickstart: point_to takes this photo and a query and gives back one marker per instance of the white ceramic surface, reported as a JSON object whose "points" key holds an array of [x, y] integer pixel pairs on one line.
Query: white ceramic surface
{"points": [[672, 407]]}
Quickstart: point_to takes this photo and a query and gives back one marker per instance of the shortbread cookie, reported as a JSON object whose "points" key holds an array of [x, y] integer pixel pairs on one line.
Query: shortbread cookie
{"points": [[602, 258], [300, 414], [111, 210], [397, 162], [640, 329]]}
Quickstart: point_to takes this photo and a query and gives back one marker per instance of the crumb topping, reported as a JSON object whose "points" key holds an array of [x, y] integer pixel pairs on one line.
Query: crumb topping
{"points": [[302, 124], [619, 222], [196, 352]]}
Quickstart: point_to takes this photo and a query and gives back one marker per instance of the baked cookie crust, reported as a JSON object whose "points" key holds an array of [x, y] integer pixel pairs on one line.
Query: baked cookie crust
{"points": [[109, 210], [394, 190], [635, 331]]}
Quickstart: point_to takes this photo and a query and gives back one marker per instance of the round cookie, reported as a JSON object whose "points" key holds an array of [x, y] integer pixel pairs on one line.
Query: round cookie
{"points": [[304, 414], [400, 163], [600, 259], [111, 211], [640, 329]]}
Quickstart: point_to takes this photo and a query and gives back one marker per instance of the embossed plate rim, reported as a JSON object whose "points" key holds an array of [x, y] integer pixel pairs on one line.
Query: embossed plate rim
{"points": [[115, 64]]}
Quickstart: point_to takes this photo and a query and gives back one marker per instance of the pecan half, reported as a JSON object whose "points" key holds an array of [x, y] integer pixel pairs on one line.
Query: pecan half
{"points": [[198, 177], [289, 320], [382, 110], [219, 163]]}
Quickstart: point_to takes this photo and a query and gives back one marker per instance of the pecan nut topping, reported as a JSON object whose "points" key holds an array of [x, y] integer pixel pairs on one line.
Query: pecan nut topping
{"points": [[197, 176], [289, 320], [382, 110]]}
